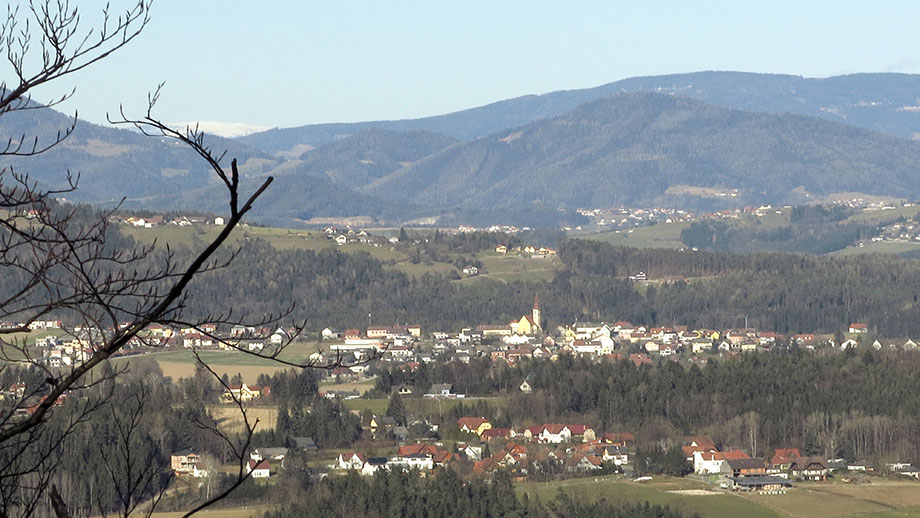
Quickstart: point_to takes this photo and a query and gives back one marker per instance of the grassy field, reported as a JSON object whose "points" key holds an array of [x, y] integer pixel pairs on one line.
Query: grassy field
{"points": [[882, 215], [879, 247], [721, 504], [424, 406], [239, 512], [229, 419], [513, 267], [662, 235], [281, 238], [181, 363], [361, 386], [881, 498], [377, 406]]}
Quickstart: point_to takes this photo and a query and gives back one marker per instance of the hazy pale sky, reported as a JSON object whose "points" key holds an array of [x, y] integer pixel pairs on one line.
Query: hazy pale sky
{"points": [[293, 62]]}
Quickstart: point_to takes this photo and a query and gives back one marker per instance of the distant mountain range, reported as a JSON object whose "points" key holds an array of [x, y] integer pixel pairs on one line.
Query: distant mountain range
{"points": [[644, 148], [113, 162], [881, 102], [704, 140]]}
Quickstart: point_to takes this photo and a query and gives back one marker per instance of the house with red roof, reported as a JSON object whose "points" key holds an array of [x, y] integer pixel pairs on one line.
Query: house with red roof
{"points": [[351, 460], [782, 457], [259, 468], [640, 359], [496, 433], [716, 462], [625, 439]]}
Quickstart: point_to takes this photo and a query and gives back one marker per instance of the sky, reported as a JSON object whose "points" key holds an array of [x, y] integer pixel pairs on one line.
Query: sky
{"points": [[284, 63]]}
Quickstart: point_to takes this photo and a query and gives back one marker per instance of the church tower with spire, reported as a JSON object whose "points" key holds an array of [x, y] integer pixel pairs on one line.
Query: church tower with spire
{"points": [[536, 312]]}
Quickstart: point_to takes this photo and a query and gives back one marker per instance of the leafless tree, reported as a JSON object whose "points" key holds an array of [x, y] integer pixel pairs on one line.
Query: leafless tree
{"points": [[61, 267]]}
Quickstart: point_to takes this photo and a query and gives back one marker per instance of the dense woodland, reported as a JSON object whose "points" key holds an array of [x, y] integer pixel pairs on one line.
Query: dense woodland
{"points": [[819, 238], [443, 494], [854, 405], [786, 293], [775, 292]]}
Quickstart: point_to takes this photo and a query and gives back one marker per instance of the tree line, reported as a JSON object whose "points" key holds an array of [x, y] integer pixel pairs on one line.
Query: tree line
{"points": [[854, 405], [443, 494]]}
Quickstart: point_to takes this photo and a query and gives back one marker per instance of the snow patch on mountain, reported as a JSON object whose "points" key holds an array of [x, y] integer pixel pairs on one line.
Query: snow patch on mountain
{"points": [[221, 129]]}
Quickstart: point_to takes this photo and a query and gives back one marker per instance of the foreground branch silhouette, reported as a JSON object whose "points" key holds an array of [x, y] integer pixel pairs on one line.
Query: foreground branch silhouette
{"points": [[60, 264]]}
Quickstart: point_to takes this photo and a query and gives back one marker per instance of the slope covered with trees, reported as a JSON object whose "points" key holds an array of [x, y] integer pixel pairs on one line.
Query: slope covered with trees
{"points": [[643, 149]]}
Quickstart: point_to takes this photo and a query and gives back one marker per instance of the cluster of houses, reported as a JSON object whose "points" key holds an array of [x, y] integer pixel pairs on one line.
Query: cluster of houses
{"points": [[263, 462], [622, 218], [525, 337], [350, 235], [77, 344], [530, 250], [245, 393], [158, 220], [736, 469], [422, 457], [551, 447]]}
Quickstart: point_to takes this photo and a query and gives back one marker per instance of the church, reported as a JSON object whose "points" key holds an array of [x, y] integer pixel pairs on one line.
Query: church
{"points": [[528, 324]]}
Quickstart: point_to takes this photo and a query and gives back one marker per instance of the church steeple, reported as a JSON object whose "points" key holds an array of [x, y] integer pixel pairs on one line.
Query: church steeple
{"points": [[536, 312]]}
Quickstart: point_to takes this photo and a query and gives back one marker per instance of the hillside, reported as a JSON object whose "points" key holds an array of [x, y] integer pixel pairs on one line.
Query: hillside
{"points": [[291, 201], [880, 102], [644, 148], [369, 155], [115, 162]]}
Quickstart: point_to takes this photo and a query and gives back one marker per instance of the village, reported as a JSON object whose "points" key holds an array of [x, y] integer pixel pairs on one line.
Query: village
{"points": [[473, 444], [538, 452]]}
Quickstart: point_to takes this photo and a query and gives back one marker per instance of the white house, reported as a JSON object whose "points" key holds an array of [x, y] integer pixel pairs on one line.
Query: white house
{"points": [[259, 468], [373, 464], [351, 460], [617, 454], [709, 463], [555, 434], [420, 461]]}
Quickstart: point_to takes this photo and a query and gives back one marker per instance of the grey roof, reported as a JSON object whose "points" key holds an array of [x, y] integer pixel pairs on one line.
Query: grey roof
{"points": [[618, 450], [305, 443], [760, 481], [272, 452]]}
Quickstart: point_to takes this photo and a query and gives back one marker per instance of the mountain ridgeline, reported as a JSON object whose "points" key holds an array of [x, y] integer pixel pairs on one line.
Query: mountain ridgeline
{"points": [[701, 141], [642, 148], [880, 102]]}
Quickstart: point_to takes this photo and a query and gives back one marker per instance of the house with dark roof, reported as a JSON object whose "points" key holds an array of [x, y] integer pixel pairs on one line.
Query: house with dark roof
{"points": [[809, 468], [759, 483], [305, 443]]}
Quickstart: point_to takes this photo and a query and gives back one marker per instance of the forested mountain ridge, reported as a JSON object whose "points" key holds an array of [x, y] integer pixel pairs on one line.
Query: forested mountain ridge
{"points": [[369, 155], [114, 162], [880, 102], [629, 149], [642, 148], [785, 293]]}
